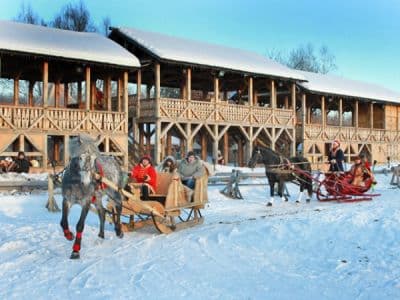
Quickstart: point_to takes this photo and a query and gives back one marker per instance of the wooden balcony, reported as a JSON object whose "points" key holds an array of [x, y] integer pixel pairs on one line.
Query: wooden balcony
{"points": [[179, 110], [61, 120]]}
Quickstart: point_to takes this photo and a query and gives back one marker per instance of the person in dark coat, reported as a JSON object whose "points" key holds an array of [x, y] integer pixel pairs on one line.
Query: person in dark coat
{"points": [[20, 164], [191, 169], [336, 157]]}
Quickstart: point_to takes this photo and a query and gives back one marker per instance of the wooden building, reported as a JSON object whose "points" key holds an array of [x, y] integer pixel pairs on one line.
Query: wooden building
{"points": [[195, 95], [364, 117], [55, 84]]}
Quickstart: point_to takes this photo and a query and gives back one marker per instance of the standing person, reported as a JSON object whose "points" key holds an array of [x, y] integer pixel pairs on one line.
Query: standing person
{"points": [[145, 174], [190, 169], [365, 161], [220, 158], [20, 164], [336, 157]]}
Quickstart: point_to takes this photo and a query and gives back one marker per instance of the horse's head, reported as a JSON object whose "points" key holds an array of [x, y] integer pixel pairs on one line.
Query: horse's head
{"points": [[256, 157], [87, 152]]}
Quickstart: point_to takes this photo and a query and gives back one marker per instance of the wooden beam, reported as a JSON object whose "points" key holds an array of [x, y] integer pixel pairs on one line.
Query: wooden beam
{"points": [[87, 86], [356, 114], [66, 150], [57, 93], [79, 94], [45, 84], [189, 84], [107, 96], [250, 91], [126, 105], [119, 94], [66, 94], [138, 91], [30, 93], [157, 76], [323, 111], [272, 94], [371, 115], [16, 90], [340, 112], [216, 89], [293, 95]]}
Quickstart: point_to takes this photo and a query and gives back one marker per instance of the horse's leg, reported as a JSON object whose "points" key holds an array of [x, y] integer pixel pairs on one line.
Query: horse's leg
{"points": [[79, 229], [281, 187], [64, 220], [271, 191], [102, 215], [300, 197], [309, 189], [117, 219]]}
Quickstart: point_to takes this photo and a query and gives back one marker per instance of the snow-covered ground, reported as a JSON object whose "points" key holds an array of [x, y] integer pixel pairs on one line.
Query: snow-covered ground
{"points": [[244, 250]]}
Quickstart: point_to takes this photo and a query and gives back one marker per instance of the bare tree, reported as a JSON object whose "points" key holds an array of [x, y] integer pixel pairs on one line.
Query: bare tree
{"points": [[27, 15], [74, 17], [106, 23], [305, 58]]}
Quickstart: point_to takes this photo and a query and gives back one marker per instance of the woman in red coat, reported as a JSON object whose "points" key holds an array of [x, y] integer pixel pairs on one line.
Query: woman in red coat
{"points": [[145, 173]]}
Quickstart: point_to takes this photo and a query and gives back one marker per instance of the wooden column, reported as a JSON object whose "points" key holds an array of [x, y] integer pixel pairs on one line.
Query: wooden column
{"points": [[66, 150], [125, 93], [119, 94], [57, 95], [87, 86], [30, 93], [204, 146], [79, 94], [272, 94], [340, 112], [169, 144], [216, 89], [107, 144], [286, 102], [303, 119], [108, 95], [139, 91], [157, 76], [21, 143], [371, 115], [250, 90], [157, 143], [189, 84], [66, 94], [255, 98], [293, 96], [16, 90], [93, 93], [56, 149], [225, 152], [249, 145], [45, 84], [356, 114], [240, 153], [323, 113], [215, 142]]}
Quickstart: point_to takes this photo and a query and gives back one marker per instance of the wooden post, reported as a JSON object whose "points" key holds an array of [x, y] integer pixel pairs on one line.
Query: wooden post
{"points": [[56, 149], [250, 91], [293, 96], [57, 93], [108, 96], [119, 94], [240, 153], [66, 94], [204, 146], [87, 86], [272, 94], [139, 91], [286, 102], [157, 143], [215, 142], [216, 89], [189, 84], [340, 112], [249, 145], [125, 93], [371, 115], [169, 144], [93, 93], [303, 120], [30, 93], [226, 147], [356, 114], [45, 84], [157, 76], [21, 143], [66, 150], [16, 90], [323, 114], [79, 94]]}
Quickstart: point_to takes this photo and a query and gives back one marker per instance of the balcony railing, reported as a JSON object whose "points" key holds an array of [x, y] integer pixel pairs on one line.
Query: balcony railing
{"points": [[61, 119], [219, 112]]}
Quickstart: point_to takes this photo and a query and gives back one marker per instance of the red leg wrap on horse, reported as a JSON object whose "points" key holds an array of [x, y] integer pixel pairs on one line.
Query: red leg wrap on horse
{"points": [[68, 234], [76, 247], [79, 235]]}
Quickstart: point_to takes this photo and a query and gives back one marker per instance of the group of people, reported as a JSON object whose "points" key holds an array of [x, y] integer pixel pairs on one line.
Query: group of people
{"points": [[19, 165], [359, 171], [189, 170]]}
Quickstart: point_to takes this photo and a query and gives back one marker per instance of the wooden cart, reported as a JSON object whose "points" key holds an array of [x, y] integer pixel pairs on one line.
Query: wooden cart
{"points": [[169, 209]]}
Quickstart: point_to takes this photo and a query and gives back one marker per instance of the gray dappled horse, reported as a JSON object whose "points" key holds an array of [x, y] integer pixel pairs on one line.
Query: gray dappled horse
{"points": [[79, 186], [277, 169]]}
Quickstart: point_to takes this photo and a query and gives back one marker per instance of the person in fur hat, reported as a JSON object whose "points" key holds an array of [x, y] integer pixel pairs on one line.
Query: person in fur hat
{"points": [[168, 165], [336, 157], [145, 174]]}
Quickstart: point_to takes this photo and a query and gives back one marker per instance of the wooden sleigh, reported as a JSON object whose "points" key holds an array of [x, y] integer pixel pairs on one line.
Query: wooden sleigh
{"points": [[168, 209]]}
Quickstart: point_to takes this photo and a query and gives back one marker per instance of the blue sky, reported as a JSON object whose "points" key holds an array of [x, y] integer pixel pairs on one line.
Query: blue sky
{"points": [[362, 34]]}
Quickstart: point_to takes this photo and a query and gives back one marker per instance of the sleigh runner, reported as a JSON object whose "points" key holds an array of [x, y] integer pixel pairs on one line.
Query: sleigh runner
{"points": [[169, 209]]}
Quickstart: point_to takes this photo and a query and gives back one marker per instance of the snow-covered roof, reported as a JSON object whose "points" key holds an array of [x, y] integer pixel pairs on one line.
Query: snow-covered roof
{"points": [[200, 53], [67, 44], [336, 85]]}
